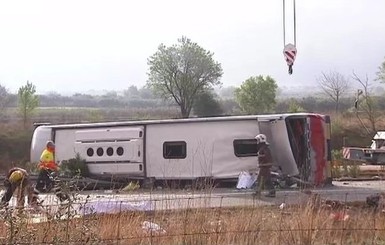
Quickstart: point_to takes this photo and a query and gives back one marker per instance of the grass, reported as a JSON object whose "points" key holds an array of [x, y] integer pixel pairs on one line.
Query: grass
{"points": [[310, 223], [306, 224]]}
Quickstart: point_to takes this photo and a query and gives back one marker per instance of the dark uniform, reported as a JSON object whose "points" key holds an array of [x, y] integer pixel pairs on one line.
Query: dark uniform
{"points": [[265, 162], [19, 178]]}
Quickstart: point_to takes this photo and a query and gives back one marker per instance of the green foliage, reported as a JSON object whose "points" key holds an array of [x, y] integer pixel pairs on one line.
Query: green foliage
{"points": [[182, 71], [339, 165], [343, 167], [337, 127], [336, 171], [4, 99], [354, 170], [28, 101], [14, 148], [336, 155], [132, 92], [75, 167], [207, 105], [94, 115], [294, 106], [257, 95], [381, 72]]}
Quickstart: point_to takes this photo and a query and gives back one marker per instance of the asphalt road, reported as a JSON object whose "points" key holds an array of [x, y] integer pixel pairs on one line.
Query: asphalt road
{"points": [[162, 199], [221, 197]]}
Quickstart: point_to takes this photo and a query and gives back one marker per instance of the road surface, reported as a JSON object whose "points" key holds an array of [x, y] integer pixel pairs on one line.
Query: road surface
{"points": [[111, 202], [223, 197]]}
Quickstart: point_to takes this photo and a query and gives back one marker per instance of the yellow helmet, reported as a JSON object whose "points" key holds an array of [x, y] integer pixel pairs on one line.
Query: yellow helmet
{"points": [[15, 176]]}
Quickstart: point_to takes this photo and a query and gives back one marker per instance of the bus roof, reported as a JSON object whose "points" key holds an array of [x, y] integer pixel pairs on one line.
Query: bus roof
{"points": [[181, 120]]}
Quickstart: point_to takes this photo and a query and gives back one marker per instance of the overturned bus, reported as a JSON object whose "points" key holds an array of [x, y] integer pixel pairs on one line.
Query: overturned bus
{"points": [[187, 149]]}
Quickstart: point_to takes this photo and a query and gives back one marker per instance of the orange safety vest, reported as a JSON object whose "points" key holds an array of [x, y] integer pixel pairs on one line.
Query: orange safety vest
{"points": [[47, 160]]}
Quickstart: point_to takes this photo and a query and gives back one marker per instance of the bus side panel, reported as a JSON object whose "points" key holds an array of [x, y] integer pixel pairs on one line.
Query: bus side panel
{"points": [[226, 163], [209, 149], [107, 151]]}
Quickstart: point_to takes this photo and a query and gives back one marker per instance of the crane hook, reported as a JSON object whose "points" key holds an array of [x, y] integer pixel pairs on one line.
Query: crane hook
{"points": [[289, 50]]}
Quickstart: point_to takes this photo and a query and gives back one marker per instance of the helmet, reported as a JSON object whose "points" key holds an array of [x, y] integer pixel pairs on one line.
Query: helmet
{"points": [[50, 144], [261, 138], [15, 176]]}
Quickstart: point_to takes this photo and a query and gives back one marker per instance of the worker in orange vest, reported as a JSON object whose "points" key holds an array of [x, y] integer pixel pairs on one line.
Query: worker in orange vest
{"points": [[46, 166], [19, 178]]}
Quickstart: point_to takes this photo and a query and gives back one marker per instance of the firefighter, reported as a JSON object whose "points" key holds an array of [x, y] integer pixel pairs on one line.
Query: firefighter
{"points": [[265, 162], [46, 166], [19, 178]]}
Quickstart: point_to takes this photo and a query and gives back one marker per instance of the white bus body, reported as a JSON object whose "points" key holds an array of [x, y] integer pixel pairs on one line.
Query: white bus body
{"points": [[218, 147]]}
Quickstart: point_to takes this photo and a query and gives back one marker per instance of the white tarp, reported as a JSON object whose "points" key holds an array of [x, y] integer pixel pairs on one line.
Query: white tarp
{"points": [[115, 207], [246, 180]]}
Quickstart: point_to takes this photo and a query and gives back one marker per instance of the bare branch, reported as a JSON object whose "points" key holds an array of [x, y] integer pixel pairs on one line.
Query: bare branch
{"points": [[367, 105], [334, 85]]}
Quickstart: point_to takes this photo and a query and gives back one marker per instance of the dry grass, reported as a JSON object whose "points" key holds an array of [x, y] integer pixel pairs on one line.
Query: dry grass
{"points": [[307, 224]]}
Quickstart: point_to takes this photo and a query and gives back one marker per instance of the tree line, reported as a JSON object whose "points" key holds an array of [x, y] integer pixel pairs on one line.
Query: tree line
{"points": [[186, 76]]}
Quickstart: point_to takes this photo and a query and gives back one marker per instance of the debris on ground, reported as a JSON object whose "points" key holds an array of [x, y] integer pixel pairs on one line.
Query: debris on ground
{"points": [[339, 216], [151, 227], [246, 180], [376, 200], [132, 186], [115, 206]]}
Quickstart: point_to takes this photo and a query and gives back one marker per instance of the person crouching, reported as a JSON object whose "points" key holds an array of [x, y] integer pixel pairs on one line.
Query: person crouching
{"points": [[18, 178]]}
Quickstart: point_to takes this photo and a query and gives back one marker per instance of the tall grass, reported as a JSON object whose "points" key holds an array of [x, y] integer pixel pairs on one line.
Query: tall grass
{"points": [[308, 223]]}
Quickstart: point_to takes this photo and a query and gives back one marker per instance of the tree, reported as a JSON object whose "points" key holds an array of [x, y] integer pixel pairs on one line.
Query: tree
{"points": [[206, 104], [334, 85], [294, 106], [132, 92], [257, 95], [182, 71], [4, 99], [366, 105], [381, 72], [227, 92], [28, 101]]}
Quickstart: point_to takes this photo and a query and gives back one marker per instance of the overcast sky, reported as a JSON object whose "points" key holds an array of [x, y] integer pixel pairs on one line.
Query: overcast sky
{"points": [[75, 46]]}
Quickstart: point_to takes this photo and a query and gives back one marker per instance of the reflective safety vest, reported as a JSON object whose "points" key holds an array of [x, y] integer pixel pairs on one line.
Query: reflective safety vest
{"points": [[47, 160]]}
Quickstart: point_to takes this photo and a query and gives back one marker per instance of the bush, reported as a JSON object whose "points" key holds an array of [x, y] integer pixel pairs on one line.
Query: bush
{"points": [[337, 163], [354, 170], [75, 167], [14, 147], [336, 170]]}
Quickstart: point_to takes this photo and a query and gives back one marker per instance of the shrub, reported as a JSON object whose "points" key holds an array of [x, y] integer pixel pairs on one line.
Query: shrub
{"points": [[336, 163], [14, 147], [75, 167], [354, 170]]}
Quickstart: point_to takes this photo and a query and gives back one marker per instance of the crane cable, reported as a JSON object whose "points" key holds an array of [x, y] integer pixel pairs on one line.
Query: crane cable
{"points": [[289, 50]]}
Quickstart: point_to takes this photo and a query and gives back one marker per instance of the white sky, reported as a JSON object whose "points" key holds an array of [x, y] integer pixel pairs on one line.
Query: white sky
{"points": [[77, 45]]}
